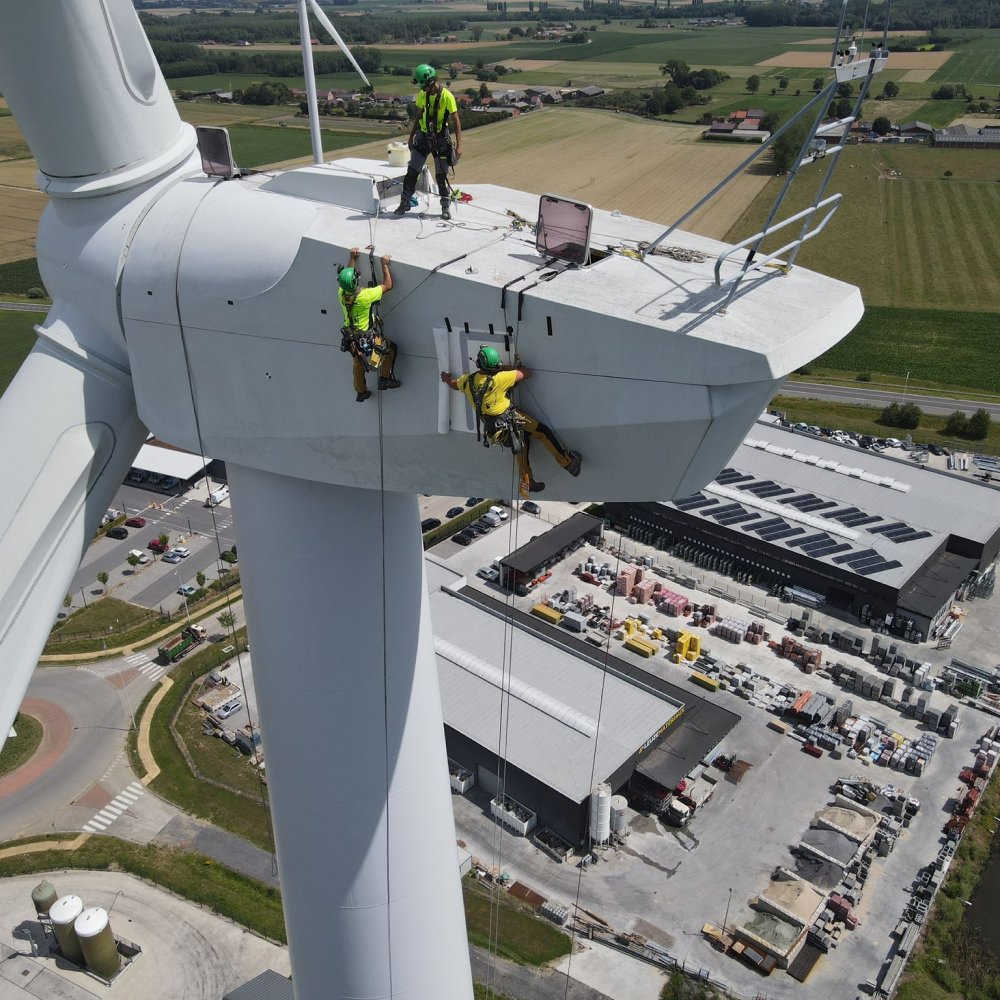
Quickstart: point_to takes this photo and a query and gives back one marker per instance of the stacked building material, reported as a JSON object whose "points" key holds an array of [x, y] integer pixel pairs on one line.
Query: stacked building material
{"points": [[670, 603], [644, 590], [732, 629], [626, 580], [789, 649]]}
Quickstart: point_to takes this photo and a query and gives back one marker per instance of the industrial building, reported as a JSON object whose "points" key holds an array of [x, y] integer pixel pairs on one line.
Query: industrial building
{"points": [[563, 728], [882, 538], [542, 551], [158, 462]]}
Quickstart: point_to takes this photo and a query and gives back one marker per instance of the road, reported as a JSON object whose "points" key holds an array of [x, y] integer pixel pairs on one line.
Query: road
{"points": [[27, 307], [882, 397]]}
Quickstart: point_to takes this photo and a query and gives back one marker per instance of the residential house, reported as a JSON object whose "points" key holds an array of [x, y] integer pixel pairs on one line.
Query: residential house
{"points": [[536, 91], [551, 97]]}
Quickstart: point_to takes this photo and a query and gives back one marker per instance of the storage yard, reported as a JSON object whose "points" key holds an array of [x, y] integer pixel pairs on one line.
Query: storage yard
{"points": [[826, 807]]}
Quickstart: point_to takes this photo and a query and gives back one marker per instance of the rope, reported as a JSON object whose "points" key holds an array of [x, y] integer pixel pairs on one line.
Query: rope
{"points": [[593, 765], [683, 254], [215, 523]]}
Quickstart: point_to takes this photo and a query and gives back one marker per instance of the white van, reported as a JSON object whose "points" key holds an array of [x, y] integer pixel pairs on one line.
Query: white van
{"points": [[493, 520], [500, 512], [217, 496]]}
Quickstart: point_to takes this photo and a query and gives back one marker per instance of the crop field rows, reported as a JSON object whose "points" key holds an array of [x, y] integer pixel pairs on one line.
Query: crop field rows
{"points": [[20, 210]]}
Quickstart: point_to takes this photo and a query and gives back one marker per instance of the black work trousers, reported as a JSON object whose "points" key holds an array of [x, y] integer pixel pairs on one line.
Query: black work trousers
{"points": [[418, 157]]}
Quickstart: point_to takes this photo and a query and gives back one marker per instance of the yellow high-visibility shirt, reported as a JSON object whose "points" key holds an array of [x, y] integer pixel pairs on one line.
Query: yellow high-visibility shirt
{"points": [[445, 101], [497, 400], [359, 316]]}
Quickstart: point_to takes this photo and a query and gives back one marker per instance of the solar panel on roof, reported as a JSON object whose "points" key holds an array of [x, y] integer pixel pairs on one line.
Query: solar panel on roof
{"points": [[747, 515], [801, 496], [836, 515], [900, 534], [842, 547], [775, 536], [729, 508], [855, 556], [812, 505], [702, 502], [813, 547], [883, 528], [919, 534], [764, 525], [728, 476], [759, 485], [867, 571], [857, 520], [870, 561], [768, 492], [809, 539]]}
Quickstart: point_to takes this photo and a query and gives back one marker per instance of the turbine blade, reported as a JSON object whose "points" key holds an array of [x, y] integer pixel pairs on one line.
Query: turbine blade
{"points": [[335, 35], [70, 431]]}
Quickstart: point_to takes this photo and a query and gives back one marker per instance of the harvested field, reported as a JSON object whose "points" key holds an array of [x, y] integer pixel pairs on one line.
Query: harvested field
{"points": [[20, 210], [815, 41], [821, 60], [209, 113], [18, 174], [11, 141], [528, 64], [917, 75], [647, 169]]}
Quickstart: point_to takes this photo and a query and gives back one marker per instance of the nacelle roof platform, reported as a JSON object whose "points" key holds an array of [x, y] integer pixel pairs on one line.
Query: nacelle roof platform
{"points": [[633, 362]]}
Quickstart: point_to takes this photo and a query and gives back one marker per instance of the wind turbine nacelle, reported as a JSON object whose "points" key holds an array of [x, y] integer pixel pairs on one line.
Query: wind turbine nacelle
{"points": [[229, 306]]}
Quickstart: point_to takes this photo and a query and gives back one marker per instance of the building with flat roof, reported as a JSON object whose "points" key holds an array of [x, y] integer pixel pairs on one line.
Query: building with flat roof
{"points": [[857, 528], [562, 724], [267, 986], [544, 550]]}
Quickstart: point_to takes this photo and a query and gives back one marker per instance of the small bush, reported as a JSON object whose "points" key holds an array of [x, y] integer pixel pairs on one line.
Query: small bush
{"points": [[863, 377], [36, 293]]}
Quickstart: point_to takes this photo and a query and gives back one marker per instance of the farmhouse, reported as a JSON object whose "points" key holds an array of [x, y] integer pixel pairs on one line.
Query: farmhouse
{"points": [[915, 129], [587, 92]]}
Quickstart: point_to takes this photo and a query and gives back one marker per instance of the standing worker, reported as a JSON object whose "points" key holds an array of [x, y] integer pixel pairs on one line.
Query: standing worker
{"points": [[361, 337], [429, 136], [504, 424]]}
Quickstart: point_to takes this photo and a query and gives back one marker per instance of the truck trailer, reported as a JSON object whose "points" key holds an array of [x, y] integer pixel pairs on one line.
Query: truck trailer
{"points": [[173, 649]]}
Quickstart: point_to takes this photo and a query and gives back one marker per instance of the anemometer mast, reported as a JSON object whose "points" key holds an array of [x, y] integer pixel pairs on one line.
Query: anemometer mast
{"points": [[205, 309]]}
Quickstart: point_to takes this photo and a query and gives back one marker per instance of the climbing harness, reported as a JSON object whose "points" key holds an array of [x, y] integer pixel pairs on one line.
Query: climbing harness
{"points": [[369, 346], [504, 430]]}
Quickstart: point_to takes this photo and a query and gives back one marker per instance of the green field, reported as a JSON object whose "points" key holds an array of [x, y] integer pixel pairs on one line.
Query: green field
{"points": [[18, 276], [17, 337], [914, 240], [960, 348], [976, 64], [255, 145], [934, 113]]}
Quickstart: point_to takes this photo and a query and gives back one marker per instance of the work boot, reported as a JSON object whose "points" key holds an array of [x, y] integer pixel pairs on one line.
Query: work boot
{"points": [[388, 383], [529, 486], [445, 211], [362, 396], [403, 207], [573, 468]]}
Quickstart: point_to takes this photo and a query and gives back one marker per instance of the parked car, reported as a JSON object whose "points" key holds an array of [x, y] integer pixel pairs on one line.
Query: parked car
{"points": [[186, 591], [891, 442], [140, 555], [472, 501], [181, 551], [230, 708], [936, 449], [429, 524], [500, 512], [118, 532], [531, 507], [488, 573], [475, 529], [157, 546], [136, 522], [169, 483], [171, 557], [455, 511], [462, 538]]}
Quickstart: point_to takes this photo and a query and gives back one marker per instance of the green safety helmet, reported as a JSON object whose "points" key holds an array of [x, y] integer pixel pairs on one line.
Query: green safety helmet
{"points": [[348, 279], [487, 359], [424, 75]]}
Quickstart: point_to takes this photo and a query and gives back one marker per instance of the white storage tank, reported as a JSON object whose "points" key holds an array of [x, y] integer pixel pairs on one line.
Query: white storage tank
{"points": [[600, 814], [63, 913], [100, 952], [619, 813]]}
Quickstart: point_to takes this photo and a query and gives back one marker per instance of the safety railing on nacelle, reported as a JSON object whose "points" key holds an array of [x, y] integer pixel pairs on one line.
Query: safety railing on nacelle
{"points": [[807, 213]]}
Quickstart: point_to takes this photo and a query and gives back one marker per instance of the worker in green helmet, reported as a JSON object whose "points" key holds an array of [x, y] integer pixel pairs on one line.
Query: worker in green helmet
{"points": [[362, 335], [437, 112], [488, 389]]}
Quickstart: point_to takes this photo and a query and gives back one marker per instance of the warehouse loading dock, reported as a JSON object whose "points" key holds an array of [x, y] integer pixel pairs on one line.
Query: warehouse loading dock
{"points": [[525, 563]]}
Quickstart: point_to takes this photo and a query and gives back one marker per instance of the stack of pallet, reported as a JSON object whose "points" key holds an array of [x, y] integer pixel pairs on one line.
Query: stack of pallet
{"points": [[733, 629], [627, 578], [755, 634], [674, 605], [789, 649], [643, 591]]}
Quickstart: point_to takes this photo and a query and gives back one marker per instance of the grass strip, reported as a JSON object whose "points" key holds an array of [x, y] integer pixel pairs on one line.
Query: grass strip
{"points": [[18, 752], [17, 337], [176, 781], [865, 420], [950, 961], [517, 934], [194, 876]]}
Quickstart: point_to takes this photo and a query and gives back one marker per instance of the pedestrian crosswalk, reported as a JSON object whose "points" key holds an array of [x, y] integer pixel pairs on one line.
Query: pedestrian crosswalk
{"points": [[103, 818], [151, 670]]}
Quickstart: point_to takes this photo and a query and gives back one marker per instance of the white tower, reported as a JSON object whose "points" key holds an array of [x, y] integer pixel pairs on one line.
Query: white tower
{"points": [[229, 286]]}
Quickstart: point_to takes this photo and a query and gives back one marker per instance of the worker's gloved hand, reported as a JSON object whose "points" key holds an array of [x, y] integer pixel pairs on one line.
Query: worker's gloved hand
{"points": [[445, 377]]}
